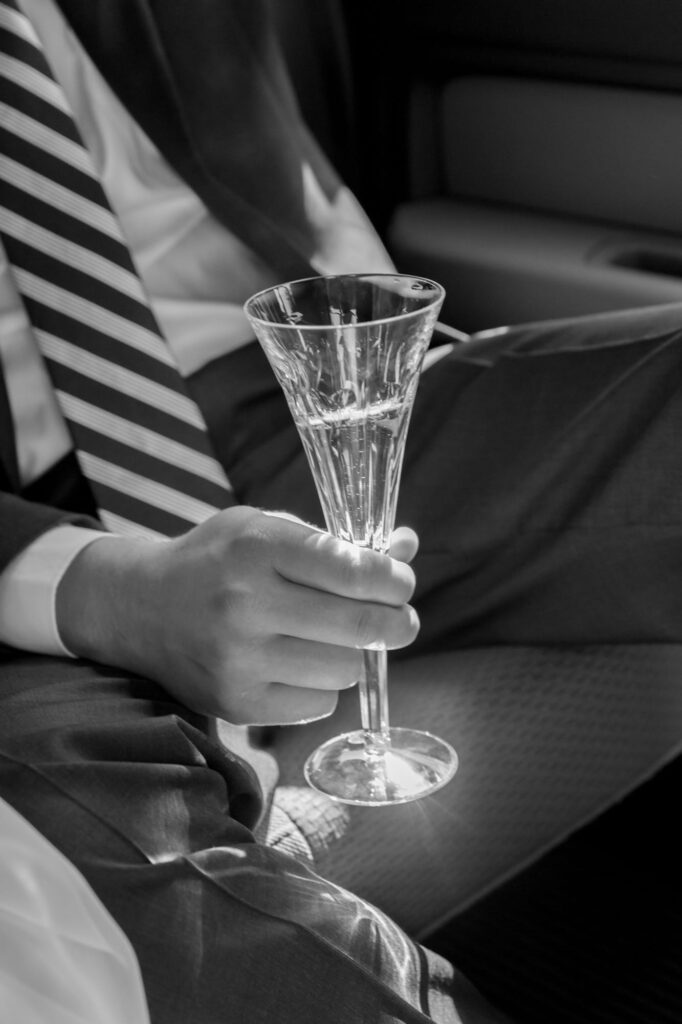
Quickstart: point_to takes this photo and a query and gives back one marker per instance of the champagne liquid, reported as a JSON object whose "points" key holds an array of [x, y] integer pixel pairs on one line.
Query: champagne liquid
{"points": [[356, 458]]}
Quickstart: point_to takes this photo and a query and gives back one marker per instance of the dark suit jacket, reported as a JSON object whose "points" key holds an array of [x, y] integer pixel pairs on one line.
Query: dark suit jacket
{"points": [[207, 82]]}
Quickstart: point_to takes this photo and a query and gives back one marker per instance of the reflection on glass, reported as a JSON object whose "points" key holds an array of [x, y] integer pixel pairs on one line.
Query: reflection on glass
{"points": [[347, 351]]}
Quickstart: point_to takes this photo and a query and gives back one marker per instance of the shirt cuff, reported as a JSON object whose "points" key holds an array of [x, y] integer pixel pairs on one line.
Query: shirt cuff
{"points": [[28, 589]]}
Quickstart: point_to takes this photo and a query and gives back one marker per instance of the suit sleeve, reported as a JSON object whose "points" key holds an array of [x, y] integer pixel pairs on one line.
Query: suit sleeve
{"points": [[21, 522]]}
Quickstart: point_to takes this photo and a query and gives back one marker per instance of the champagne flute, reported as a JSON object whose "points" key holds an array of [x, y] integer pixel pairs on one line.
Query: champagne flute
{"points": [[347, 351]]}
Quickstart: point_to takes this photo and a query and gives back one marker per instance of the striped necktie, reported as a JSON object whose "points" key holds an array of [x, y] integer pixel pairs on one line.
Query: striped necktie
{"points": [[140, 439]]}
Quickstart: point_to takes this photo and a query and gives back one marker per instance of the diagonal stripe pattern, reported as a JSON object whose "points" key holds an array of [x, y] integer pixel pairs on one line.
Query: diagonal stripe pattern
{"points": [[140, 439]]}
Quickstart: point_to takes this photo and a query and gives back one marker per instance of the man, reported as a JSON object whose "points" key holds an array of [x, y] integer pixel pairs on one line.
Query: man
{"points": [[292, 945], [251, 616]]}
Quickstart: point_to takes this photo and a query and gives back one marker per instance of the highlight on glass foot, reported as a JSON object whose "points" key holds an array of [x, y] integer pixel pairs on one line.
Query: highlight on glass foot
{"points": [[363, 768], [347, 351]]}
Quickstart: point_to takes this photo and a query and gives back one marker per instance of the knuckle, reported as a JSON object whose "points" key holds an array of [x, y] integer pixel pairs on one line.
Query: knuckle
{"points": [[249, 548], [370, 575], [362, 572], [351, 570]]}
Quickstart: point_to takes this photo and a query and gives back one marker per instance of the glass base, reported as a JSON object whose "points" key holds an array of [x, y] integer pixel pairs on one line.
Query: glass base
{"points": [[356, 769]]}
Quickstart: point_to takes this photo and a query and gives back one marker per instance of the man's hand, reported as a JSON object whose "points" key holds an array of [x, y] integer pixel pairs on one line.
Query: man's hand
{"points": [[251, 616]]}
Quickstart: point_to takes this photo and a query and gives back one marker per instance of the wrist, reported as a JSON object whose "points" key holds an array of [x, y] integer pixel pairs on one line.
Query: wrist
{"points": [[103, 599]]}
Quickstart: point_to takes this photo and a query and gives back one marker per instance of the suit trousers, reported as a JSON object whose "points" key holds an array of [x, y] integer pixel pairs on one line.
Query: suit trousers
{"points": [[544, 478]]}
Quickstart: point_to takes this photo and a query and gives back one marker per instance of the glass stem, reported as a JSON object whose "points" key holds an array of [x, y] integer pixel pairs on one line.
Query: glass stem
{"points": [[374, 696]]}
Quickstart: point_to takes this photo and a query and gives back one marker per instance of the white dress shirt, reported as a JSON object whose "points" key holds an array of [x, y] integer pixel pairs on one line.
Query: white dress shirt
{"points": [[197, 275]]}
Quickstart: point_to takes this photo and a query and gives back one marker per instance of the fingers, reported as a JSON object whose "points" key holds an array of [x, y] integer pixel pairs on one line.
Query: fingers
{"points": [[313, 666], [329, 619], [289, 681], [404, 541], [293, 681], [404, 544], [278, 704], [290, 705], [264, 619], [318, 560], [315, 587]]}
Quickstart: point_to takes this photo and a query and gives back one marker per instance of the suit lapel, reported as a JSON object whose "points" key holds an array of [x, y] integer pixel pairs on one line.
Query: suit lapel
{"points": [[193, 67]]}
